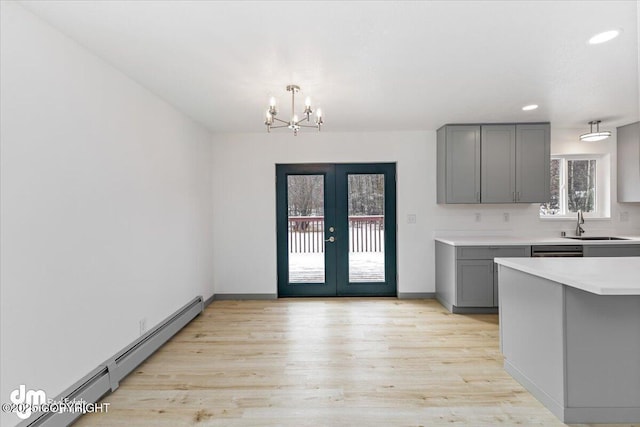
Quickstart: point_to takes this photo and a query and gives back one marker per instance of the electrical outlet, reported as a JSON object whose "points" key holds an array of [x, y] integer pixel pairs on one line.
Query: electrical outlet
{"points": [[624, 216], [411, 218], [143, 326], [505, 216], [478, 217]]}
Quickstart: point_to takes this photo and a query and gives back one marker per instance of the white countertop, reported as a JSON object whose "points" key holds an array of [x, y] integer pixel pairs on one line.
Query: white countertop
{"points": [[601, 276], [515, 241]]}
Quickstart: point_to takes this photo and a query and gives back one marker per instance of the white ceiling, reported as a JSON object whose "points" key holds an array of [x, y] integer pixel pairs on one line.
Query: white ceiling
{"points": [[370, 65]]}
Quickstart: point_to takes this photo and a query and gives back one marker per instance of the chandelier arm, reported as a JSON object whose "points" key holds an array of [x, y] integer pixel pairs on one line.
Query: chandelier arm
{"points": [[309, 126], [281, 126], [279, 120]]}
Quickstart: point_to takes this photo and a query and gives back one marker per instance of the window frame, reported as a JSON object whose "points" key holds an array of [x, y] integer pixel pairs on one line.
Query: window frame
{"points": [[601, 205]]}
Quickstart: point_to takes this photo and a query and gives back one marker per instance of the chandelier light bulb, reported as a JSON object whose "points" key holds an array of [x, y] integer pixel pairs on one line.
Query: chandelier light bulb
{"points": [[307, 102], [294, 119], [272, 102]]}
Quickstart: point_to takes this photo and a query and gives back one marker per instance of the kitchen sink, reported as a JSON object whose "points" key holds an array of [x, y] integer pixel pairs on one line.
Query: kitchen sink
{"points": [[595, 238]]}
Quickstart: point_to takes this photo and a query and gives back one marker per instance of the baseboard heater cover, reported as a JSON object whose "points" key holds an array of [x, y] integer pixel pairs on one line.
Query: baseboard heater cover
{"points": [[106, 377]]}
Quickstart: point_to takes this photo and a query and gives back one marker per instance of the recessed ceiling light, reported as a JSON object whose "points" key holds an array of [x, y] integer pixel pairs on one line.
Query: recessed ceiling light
{"points": [[604, 37], [529, 107]]}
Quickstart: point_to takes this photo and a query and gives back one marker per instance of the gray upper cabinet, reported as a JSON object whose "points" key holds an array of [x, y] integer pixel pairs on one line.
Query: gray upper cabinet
{"points": [[629, 162], [507, 163], [533, 157], [498, 165], [459, 164]]}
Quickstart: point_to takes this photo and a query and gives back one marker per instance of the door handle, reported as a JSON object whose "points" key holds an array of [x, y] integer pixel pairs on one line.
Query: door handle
{"points": [[331, 239]]}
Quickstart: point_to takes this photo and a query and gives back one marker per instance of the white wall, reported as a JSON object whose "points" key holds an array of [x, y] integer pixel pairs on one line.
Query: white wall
{"points": [[244, 196], [106, 209]]}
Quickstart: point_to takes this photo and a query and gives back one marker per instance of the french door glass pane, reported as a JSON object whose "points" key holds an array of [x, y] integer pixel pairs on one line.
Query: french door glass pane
{"points": [[366, 227], [581, 185], [305, 230]]}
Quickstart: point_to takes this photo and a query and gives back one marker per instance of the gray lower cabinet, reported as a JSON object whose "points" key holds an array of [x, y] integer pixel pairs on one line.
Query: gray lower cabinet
{"points": [[610, 250], [474, 284], [493, 163], [466, 278]]}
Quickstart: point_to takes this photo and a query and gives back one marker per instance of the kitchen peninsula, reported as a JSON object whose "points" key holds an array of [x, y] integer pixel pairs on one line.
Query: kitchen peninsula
{"points": [[570, 334]]}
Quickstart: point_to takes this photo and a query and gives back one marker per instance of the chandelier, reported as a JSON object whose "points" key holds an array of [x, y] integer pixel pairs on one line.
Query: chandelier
{"points": [[294, 123], [597, 135]]}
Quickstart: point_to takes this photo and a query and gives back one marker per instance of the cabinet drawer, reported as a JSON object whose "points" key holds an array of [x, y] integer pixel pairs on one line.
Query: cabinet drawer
{"points": [[611, 251], [491, 252]]}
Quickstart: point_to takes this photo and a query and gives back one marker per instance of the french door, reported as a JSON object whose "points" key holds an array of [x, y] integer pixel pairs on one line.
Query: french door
{"points": [[336, 229]]}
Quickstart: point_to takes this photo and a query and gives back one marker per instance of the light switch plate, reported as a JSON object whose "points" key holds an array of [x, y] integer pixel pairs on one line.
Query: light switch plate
{"points": [[411, 218]]}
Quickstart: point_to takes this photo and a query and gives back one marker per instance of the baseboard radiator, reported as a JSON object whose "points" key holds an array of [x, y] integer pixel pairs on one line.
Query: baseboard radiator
{"points": [[106, 377]]}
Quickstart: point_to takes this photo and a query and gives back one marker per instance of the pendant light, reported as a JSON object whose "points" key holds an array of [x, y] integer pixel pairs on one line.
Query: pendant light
{"points": [[597, 135]]}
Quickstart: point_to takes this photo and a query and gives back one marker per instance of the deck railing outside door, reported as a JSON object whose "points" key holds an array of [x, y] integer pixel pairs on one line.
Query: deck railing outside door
{"points": [[306, 234]]}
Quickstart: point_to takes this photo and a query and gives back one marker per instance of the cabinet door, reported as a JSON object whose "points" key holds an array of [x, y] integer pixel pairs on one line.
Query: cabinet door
{"points": [[533, 156], [474, 283], [463, 164], [498, 163], [628, 143]]}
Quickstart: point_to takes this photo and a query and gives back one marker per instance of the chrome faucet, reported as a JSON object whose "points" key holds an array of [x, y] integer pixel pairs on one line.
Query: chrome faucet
{"points": [[579, 230]]}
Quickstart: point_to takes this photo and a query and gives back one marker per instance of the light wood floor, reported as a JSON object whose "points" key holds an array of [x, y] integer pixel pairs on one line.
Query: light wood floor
{"points": [[326, 362]]}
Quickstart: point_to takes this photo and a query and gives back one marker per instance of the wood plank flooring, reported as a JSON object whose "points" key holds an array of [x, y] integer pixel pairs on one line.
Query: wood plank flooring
{"points": [[326, 362]]}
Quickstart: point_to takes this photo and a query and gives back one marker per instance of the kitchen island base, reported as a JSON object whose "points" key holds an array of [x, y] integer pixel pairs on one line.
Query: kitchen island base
{"points": [[577, 352]]}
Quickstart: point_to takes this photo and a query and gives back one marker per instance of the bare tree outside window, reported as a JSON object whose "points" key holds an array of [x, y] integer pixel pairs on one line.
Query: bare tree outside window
{"points": [[581, 183], [366, 194], [306, 199], [573, 187], [553, 206]]}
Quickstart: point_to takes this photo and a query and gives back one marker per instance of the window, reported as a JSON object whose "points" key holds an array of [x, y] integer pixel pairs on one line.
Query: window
{"points": [[577, 183]]}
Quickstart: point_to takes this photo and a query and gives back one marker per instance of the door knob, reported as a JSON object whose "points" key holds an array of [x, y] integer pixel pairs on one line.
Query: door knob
{"points": [[331, 239]]}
